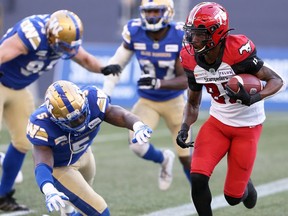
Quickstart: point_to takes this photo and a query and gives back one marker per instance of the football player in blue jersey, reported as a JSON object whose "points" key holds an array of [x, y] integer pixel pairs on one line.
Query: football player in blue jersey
{"points": [[156, 41], [61, 131], [30, 48]]}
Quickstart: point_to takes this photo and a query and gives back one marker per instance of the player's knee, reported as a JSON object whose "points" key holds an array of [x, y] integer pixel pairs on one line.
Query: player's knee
{"points": [[185, 161], [199, 182], [23, 147], [139, 150], [106, 212], [232, 200]]}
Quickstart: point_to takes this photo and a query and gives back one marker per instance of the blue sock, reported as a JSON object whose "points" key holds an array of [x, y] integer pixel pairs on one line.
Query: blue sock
{"points": [[154, 154], [11, 165]]}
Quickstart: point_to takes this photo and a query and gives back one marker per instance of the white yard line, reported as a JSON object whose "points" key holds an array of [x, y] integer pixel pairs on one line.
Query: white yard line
{"points": [[18, 213], [188, 209], [219, 201]]}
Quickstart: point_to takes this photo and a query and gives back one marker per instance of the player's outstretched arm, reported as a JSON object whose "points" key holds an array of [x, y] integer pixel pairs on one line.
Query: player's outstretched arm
{"points": [[11, 48], [43, 160], [121, 57], [121, 117], [91, 63]]}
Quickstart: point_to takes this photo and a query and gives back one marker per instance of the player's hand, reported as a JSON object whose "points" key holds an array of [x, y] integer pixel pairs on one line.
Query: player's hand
{"points": [[148, 82], [114, 69], [182, 137], [242, 96], [142, 133], [55, 200]]}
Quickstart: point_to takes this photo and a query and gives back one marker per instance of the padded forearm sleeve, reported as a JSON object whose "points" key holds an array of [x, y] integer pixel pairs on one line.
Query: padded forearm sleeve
{"points": [[122, 56]]}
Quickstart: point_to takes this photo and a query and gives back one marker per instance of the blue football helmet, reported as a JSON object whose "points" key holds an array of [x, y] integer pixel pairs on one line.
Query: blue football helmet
{"points": [[155, 23], [64, 32], [68, 106]]}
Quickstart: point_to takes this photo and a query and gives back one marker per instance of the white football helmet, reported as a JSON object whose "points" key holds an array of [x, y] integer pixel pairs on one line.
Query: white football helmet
{"points": [[155, 23], [64, 32], [68, 106]]}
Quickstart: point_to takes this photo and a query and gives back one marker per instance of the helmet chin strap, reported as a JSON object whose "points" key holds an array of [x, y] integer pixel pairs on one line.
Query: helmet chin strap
{"points": [[202, 49], [81, 129]]}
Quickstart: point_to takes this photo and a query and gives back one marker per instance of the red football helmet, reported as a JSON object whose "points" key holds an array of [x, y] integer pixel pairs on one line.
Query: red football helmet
{"points": [[208, 20]]}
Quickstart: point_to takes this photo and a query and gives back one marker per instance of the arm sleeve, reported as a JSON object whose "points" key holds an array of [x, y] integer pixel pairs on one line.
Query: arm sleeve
{"points": [[122, 56], [43, 174]]}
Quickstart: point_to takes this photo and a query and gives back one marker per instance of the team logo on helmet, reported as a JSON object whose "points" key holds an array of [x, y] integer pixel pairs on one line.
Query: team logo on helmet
{"points": [[64, 32], [68, 106]]}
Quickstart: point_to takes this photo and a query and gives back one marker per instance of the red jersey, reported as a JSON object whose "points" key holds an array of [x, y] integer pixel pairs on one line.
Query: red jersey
{"points": [[238, 55]]}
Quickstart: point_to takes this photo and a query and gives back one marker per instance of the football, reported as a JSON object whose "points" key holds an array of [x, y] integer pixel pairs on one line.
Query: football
{"points": [[251, 83]]}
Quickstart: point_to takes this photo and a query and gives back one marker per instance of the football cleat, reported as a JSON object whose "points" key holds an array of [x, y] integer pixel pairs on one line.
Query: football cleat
{"points": [[19, 177], [165, 174], [9, 204], [251, 199]]}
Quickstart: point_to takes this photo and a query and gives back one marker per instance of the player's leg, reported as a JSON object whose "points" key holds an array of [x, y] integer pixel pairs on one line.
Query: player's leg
{"points": [[18, 107], [72, 183], [211, 146], [241, 158], [88, 166], [172, 112], [145, 109]]}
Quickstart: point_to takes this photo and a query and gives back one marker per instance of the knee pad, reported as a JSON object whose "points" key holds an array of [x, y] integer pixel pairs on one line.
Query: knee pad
{"points": [[232, 200], [139, 150]]}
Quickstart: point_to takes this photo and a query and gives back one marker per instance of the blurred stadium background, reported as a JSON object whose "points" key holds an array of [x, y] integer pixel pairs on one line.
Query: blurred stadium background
{"points": [[265, 22], [128, 184]]}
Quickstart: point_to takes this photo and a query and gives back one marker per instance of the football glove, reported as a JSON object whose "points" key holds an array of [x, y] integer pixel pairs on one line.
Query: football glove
{"points": [[141, 133], [182, 137], [242, 96], [55, 200], [114, 69], [148, 82]]}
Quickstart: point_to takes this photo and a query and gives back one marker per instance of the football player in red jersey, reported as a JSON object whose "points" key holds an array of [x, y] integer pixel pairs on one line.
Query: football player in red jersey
{"points": [[210, 57]]}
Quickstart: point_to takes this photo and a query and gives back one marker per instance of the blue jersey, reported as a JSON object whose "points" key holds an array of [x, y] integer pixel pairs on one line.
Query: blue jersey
{"points": [[156, 58], [67, 147], [25, 69]]}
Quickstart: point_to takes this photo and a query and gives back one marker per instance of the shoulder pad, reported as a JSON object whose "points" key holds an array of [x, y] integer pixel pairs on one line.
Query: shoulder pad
{"points": [[178, 26], [31, 31], [187, 61], [239, 47], [130, 29]]}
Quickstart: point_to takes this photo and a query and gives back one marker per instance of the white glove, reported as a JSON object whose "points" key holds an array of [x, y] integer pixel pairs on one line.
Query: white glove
{"points": [[141, 133], [53, 198]]}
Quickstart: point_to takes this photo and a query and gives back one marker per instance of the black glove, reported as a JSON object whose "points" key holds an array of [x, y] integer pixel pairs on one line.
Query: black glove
{"points": [[148, 82], [114, 69], [182, 137], [242, 96]]}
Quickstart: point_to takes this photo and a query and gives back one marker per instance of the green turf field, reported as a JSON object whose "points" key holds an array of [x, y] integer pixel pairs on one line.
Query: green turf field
{"points": [[129, 184]]}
